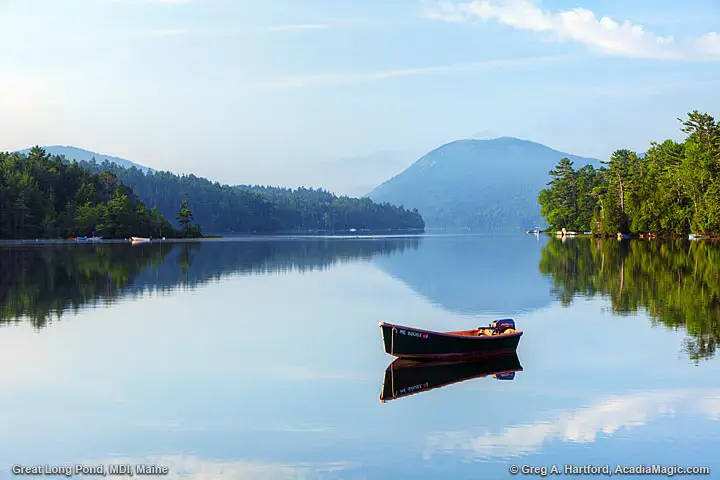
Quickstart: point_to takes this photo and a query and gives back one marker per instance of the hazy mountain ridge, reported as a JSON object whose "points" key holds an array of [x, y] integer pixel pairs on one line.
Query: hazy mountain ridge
{"points": [[480, 185], [80, 155], [356, 176]]}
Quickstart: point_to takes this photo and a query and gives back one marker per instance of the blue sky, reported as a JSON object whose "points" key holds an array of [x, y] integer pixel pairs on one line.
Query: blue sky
{"points": [[267, 91]]}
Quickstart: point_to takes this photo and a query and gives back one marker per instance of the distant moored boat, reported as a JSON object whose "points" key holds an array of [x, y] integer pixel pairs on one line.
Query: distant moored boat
{"points": [[139, 239]]}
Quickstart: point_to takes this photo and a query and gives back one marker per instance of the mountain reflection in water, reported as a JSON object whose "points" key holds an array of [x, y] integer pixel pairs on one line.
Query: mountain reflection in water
{"points": [[474, 274]]}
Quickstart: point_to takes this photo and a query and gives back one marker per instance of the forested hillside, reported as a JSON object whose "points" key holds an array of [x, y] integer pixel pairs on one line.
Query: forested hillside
{"points": [[250, 209], [673, 189], [42, 196]]}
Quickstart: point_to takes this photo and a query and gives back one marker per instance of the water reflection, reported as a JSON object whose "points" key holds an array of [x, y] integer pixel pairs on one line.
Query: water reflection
{"points": [[583, 425], [191, 467], [41, 282], [675, 282], [277, 376], [472, 274], [408, 377]]}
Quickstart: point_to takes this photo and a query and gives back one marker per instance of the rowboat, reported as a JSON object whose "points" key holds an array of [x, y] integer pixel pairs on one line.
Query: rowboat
{"points": [[405, 377], [139, 239], [498, 338]]}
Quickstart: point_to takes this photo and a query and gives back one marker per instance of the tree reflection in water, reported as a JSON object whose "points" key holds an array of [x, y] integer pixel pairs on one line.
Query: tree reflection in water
{"points": [[677, 282]]}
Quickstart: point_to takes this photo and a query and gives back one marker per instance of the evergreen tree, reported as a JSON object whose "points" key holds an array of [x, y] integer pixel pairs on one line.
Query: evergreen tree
{"points": [[673, 189], [184, 216]]}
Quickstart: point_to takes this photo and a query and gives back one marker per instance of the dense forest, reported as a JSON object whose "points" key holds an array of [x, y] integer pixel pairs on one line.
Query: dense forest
{"points": [[673, 189], [43, 196], [253, 209], [675, 282], [40, 284]]}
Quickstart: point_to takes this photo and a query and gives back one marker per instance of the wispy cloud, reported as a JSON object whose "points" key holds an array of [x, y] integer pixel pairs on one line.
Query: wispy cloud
{"points": [[579, 25], [295, 27], [710, 44], [165, 2], [173, 32], [304, 80], [159, 33]]}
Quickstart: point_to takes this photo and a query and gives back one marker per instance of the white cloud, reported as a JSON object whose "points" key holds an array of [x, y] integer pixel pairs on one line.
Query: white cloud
{"points": [[161, 32], [166, 2], [293, 27], [710, 43], [579, 24], [582, 425], [304, 80]]}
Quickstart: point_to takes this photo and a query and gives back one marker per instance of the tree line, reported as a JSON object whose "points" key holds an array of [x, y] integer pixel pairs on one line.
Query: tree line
{"points": [[221, 208], [672, 189], [44, 196]]}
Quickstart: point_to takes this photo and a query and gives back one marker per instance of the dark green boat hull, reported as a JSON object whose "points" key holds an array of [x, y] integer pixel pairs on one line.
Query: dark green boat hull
{"points": [[406, 342]]}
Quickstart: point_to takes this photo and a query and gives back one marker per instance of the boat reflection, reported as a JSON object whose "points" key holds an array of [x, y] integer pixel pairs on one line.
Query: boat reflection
{"points": [[407, 377]]}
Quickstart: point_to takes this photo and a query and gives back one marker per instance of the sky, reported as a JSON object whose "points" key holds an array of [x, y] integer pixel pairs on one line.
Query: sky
{"points": [[274, 91]]}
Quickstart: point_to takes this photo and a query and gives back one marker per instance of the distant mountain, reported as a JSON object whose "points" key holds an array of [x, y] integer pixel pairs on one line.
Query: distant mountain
{"points": [[479, 185], [74, 153]]}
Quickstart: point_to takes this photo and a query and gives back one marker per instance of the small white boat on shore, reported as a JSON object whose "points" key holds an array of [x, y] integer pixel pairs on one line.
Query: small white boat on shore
{"points": [[139, 240]]}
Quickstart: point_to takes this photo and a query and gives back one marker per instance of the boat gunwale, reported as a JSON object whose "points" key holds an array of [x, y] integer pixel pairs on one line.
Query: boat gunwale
{"points": [[457, 335]]}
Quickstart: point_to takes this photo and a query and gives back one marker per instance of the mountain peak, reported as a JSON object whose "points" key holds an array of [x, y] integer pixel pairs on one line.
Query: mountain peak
{"points": [[478, 184], [498, 141]]}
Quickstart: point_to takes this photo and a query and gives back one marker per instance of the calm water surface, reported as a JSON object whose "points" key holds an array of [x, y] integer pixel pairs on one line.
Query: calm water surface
{"points": [[256, 359]]}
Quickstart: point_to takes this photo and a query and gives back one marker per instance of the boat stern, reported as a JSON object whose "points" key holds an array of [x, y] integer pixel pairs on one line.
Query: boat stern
{"points": [[387, 336]]}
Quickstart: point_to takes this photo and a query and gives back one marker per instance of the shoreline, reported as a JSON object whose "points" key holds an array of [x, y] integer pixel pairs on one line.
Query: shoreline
{"points": [[230, 237], [308, 233], [638, 236]]}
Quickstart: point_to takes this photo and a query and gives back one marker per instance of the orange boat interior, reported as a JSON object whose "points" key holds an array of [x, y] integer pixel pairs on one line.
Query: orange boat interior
{"points": [[479, 332]]}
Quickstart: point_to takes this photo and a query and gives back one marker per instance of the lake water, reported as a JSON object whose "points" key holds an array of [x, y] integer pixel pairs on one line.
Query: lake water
{"points": [[262, 358]]}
